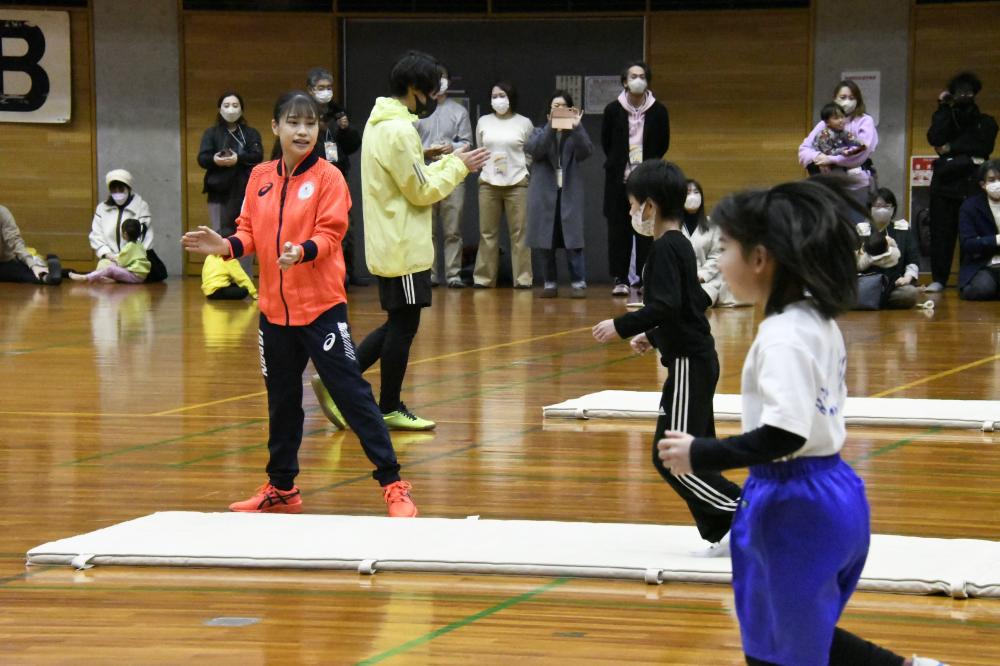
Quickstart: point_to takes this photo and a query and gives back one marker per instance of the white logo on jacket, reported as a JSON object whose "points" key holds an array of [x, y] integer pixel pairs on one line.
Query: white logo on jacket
{"points": [[306, 190], [328, 343]]}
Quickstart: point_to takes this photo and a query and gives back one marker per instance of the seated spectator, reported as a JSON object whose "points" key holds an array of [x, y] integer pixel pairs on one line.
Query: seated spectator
{"points": [[18, 263], [704, 237], [223, 280], [834, 139], [979, 234], [130, 266], [122, 204], [890, 249]]}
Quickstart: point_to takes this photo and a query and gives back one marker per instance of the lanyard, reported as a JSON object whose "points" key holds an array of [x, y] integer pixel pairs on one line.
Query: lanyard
{"points": [[242, 140]]}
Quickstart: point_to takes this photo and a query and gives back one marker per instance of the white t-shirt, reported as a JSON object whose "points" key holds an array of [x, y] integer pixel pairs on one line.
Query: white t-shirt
{"points": [[505, 139], [793, 379]]}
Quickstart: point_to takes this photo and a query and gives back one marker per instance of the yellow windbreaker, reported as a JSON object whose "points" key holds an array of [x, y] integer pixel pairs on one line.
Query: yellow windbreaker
{"points": [[217, 273], [398, 190]]}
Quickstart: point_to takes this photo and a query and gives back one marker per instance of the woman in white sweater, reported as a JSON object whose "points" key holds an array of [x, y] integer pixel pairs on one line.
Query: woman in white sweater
{"points": [[704, 237], [503, 188]]}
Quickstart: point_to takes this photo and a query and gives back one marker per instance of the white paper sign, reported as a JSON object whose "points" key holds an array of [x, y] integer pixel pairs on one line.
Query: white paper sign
{"points": [[870, 83], [35, 83], [600, 91]]}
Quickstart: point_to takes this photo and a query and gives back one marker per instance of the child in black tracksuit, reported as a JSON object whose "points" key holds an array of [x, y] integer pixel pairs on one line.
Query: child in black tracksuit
{"points": [[673, 321]]}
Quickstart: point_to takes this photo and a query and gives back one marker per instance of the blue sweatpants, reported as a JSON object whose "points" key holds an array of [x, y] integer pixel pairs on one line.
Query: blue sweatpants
{"points": [[799, 542]]}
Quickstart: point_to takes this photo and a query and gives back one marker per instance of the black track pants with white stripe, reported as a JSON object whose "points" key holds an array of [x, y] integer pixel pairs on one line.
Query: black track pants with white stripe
{"points": [[686, 406]]}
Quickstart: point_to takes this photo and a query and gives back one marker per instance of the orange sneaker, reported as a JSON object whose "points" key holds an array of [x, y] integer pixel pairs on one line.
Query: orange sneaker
{"points": [[268, 499], [397, 497]]}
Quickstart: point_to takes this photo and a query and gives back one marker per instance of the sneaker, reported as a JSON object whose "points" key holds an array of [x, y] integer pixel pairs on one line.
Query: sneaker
{"points": [[549, 292], [456, 284], [481, 286], [578, 292], [404, 419], [620, 289], [720, 549], [925, 661], [934, 287], [397, 498], [268, 499], [634, 299], [326, 403]]}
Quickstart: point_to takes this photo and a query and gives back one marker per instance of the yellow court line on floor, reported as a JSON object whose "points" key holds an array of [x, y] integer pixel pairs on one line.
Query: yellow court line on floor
{"points": [[411, 364], [937, 375]]}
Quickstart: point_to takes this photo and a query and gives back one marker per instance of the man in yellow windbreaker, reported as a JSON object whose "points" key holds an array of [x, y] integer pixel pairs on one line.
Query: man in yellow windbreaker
{"points": [[398, 190]]}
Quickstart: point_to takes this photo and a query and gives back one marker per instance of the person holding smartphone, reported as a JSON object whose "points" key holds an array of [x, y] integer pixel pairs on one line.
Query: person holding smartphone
{"points": [[229, 151]]}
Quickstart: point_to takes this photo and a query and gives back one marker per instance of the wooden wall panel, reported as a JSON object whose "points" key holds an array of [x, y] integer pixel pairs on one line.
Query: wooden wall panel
{"points": [[948, 39], [260, 55], [736, 84], [48, 170]]}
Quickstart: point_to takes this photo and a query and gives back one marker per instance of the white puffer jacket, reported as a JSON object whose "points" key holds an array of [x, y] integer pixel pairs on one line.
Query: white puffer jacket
{"points": [[106, 231]]}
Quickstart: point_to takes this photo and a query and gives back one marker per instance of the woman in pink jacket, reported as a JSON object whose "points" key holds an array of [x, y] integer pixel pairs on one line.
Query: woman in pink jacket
{"points": [[857, 166]]}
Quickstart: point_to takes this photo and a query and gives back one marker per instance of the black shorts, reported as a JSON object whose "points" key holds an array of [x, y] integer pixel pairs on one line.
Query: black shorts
{"points": [[405, 291]]}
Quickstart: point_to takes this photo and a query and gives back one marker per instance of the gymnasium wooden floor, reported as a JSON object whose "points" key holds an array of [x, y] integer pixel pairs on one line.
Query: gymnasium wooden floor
{"points": [[118, 401]]}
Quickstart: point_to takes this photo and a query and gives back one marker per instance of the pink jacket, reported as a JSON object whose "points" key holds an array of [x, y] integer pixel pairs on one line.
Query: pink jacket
{"points": [[863, 127]]}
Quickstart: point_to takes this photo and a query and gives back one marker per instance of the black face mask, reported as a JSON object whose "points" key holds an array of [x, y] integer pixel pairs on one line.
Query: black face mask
{"points": [[425, 108]]}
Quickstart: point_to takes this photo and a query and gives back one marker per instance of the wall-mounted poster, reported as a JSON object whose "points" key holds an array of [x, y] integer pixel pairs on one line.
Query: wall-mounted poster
{"points": [[599, 91], [35, 84]]}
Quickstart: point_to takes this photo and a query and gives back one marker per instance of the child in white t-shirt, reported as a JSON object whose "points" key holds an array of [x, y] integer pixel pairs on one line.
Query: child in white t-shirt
{"points": [[800, 535]]}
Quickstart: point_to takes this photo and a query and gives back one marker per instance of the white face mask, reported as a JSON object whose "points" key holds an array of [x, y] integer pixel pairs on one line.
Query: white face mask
{"points": [[693, 202], [993, 189], [444, 86], [119, 197], [637, 86], [501, 105], [323, 96], [641, 226], [230, 115], [881, 216], [848, 105]]}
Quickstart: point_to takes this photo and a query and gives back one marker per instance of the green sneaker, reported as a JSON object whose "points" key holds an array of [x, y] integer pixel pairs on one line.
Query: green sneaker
{"points": [[404, 419], [327, 404]]}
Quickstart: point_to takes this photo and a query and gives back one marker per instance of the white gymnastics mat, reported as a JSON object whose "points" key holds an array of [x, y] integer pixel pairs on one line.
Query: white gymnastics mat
{"points": [[651, 553], [979, 414]]}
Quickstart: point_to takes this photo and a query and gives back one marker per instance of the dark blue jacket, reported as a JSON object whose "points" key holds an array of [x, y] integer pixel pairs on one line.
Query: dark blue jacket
{"points": [[977, 232]]}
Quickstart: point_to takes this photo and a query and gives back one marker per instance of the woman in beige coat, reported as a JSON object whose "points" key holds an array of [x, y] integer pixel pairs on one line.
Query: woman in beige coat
{"points": [[704, 237]]}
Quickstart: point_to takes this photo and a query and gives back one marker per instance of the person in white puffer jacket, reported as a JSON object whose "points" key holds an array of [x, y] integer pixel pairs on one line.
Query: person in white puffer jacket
{"points": [[123, 203], [704, 237]]}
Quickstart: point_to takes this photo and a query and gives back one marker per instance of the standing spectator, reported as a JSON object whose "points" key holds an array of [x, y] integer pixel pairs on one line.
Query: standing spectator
{"points": [[443, 132], [503, 188], [555, 196], [704, 237], [399, 190], [889, 249], [123, 203], [635, 127], [964, 137], [17, 262], [229, 151], [861, 128], [979, 230], [337, 142]]}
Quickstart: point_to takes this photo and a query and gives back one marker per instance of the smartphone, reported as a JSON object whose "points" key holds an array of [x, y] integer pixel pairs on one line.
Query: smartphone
{"points": [[563, 118]]}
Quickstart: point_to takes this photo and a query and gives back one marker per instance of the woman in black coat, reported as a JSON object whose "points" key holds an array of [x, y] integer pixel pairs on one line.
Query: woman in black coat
{"points": [[229, 151], [635, 127]]}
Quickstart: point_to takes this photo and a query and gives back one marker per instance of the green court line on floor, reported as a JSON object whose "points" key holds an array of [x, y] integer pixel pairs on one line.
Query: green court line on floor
{"points": [[422, 461], [229, 452], [895, 445], [164, 442], [463, 622]]}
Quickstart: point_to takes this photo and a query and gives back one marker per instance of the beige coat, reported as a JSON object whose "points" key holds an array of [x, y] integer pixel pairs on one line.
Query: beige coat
{"points": [[11, 244], [706, 250]]}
